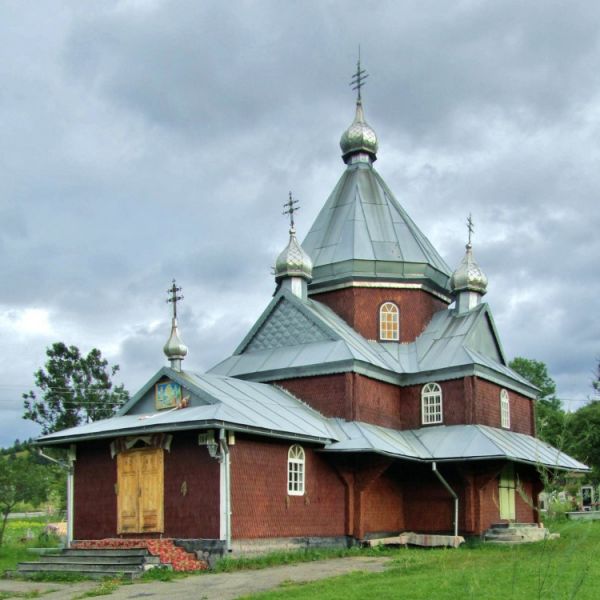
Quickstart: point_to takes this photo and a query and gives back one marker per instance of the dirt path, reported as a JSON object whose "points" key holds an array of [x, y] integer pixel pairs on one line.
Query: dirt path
{"points": [[219, 586]]}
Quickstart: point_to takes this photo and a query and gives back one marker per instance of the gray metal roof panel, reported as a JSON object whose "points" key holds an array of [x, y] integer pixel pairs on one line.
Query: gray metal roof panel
{"points": [[362, 221], [354, 436], [442, 346], [234, 401], [450, 443]]}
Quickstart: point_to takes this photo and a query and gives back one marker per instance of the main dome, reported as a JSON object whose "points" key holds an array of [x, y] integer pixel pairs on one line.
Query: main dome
{"points": [[359, 137]]}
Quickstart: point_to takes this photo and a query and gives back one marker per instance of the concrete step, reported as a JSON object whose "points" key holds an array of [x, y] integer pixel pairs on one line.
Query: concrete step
{"points": [[513, 525], [516, 533], [96, 562], [105, 552], [77, 568], [122, 573]]}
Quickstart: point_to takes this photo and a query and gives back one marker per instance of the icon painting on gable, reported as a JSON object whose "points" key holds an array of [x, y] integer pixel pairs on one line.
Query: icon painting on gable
{"points": [[168, 395]]}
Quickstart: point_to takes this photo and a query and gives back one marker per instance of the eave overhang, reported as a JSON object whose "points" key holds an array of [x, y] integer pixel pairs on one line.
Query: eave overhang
{"points": [[177, 427]]}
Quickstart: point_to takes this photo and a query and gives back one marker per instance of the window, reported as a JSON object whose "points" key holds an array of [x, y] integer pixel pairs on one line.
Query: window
{"points": [[431, 403], [389, 322], [296, 471], [504, 409]]}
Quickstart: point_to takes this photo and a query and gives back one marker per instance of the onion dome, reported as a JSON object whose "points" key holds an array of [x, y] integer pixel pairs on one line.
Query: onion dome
{"points": [[293, 261], [175, 349], [359, 137], [468, 275]]}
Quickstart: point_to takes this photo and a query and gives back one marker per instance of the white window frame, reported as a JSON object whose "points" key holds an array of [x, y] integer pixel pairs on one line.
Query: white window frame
{"points": [[504, 409], [296, 470], [431, 404], [389, 313]]}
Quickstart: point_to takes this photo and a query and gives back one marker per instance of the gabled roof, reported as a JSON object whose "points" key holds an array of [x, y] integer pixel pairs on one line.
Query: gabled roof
{"points": [[362, 232], [450, 443], [215, 402], [295, 338], [300, 335]]}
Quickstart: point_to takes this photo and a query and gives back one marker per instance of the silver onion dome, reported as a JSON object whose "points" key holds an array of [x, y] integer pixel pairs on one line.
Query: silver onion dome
{"points": [[175, 349], [468, 275], [293, 261], [359, 137]]}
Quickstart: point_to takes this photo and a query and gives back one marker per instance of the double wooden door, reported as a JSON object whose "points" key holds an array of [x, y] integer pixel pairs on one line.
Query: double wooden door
{"points": [[140, 491]]}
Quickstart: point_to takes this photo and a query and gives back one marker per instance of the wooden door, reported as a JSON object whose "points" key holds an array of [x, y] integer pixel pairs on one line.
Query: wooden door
{"points": [[506, 491], [140, 491]]}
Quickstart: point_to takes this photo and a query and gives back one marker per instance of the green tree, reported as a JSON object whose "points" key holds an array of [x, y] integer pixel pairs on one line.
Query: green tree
{"points": [[75, 389], [549, 415], [583, 428], [21, 480], [583, 439]]}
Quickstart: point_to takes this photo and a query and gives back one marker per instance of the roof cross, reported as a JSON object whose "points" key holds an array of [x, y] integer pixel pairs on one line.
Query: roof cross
{"points": [[291, 207], [470, 227], [173, 290], [358, 79]]}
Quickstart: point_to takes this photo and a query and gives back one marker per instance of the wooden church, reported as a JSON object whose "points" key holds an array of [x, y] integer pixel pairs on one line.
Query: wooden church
{"points": [[371, 397]]}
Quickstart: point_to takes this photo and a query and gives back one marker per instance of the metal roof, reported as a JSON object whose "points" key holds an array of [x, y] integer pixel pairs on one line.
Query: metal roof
{"points": [[295, 337], [450, 443], [270, 411], [220, 400], [363, 232]]}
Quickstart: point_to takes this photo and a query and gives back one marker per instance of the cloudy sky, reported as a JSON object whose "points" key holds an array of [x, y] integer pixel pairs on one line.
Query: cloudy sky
{"points": [[145, 140]]}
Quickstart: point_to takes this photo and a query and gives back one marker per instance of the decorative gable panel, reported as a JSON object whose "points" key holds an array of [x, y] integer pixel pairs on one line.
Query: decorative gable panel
{"points": [[286, 326]]}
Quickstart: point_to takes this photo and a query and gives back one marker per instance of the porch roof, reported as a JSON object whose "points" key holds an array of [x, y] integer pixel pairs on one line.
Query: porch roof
{"points": [[217, 402], [450, 443]]}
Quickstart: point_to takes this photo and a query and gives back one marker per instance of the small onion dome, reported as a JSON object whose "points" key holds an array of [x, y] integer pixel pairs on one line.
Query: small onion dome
{"points": [[359, 137], [293, 261], [468, 276], [175, 349]]}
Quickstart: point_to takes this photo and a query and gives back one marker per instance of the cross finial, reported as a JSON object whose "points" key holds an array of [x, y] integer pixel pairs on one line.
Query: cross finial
{"points": [[290, 208], [470, 227], [173, 297], [358, 79]]}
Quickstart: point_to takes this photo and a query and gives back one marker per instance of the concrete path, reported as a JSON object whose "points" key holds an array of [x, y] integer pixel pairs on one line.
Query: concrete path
{"points": [[218, 586]]}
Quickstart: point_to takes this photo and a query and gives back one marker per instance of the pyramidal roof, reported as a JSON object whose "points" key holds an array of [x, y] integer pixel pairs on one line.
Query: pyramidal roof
{"points": [[362, 233]]}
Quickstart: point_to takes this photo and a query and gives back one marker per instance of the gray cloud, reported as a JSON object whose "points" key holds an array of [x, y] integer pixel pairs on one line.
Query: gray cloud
{"points": [[146, 141]]}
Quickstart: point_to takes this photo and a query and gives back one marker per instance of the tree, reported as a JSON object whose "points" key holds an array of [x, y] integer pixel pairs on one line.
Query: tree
{"points": [[584, 431], [584, 436], [75, 389], [20, 481], [549, 415]]}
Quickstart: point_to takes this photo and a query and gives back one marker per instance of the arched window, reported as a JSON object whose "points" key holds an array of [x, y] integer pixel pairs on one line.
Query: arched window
{"points": [[431, 404], [296, 470], [504, 409], [389, 320]]}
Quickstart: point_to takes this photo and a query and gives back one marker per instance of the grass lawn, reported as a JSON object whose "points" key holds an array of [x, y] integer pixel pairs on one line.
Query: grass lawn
{"points": [[13, 550], [565, 568]]}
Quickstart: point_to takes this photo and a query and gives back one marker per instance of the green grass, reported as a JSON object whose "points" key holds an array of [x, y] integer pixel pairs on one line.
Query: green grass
{"points": [[557, 569], [273, 559], [104, 588], [566, 568], [13, 550], [161, 573]]}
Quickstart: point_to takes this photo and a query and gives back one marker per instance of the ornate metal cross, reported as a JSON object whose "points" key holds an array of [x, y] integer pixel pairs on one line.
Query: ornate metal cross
{"points": [[358, 79], [173, 290], [290, 208], [470, 227]]}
